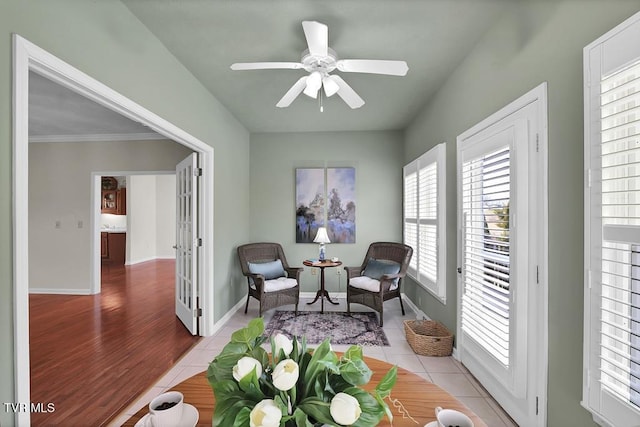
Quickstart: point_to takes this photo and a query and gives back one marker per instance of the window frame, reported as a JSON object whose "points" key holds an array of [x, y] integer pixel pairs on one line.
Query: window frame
{"points": [[437, 156], [610, 53]]}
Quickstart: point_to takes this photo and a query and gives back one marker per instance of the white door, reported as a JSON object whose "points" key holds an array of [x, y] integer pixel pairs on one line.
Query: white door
{"points": [[500, 297], [188, 242]]}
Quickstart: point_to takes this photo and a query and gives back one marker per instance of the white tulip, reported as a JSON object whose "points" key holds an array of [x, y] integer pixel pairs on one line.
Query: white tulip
{"points": [[245, 366], [285, 375], [265, 414], [345, 409], [282, 342]]}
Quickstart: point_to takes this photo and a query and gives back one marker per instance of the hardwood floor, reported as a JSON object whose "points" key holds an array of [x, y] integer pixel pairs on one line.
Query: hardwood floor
{"points": [[91, 356]]}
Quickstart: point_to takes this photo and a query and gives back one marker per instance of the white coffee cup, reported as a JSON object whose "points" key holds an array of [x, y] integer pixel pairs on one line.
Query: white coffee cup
{"points": [[452, 418], [169, 417]]}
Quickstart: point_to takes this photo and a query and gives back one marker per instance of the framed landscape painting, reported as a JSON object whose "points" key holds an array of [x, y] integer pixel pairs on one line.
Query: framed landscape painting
{"points": [[310, 203], [341, 205]]}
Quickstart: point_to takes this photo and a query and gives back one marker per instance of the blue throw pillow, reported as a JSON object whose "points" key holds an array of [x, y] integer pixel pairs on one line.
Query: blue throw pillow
{"points": [[270, 270], [376, 268]]}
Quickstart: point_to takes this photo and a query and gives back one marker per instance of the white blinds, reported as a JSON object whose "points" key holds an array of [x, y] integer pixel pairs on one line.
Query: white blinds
{"points": [[424, 218], [620, 282], [428, 178], [411, 212], [485, 203]]}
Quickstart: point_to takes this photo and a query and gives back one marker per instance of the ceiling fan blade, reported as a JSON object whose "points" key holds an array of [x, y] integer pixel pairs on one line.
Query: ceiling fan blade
{"points": [[293, 92], [240, 66], [373, 66], [347, 94], [317, 35]]}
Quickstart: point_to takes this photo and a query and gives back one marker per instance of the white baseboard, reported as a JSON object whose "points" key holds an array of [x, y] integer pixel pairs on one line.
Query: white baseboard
{"points": [[419, 313], [224, 319], [58, 291], [141, 260]]}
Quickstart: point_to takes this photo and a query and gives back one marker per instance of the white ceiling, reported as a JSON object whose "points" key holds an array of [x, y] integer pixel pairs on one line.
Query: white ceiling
{"points": [[432, 36]]}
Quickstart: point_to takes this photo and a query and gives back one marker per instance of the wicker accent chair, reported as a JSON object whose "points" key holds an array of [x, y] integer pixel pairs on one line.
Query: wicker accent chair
{"points": [[379, 277], [273, 288]]}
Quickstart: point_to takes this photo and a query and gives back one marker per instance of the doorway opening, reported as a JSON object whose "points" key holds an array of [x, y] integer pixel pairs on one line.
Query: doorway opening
{"points": [[29, 57]]}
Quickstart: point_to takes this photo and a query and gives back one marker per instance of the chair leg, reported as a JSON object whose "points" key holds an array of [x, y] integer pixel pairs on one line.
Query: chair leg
{"points": [[246, 307], [401, 306], [381, 319], [296, 311]]}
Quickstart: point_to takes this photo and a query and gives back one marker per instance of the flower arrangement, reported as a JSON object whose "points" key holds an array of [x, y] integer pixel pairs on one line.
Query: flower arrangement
{"points": [[296, 386]]}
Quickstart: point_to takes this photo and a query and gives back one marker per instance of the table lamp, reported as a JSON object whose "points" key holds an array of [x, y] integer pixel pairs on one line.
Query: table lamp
{"points": [[322, 238]]}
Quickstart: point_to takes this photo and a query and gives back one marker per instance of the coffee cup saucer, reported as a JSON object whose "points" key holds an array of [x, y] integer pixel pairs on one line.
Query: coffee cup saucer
{"points": [[190, 416]]}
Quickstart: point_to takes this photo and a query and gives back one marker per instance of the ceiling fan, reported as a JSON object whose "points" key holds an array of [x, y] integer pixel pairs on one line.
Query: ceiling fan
{"points": [[319, 61]]}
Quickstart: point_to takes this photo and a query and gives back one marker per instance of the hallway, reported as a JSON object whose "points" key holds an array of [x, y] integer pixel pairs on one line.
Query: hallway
{"points": [[91, 356]]}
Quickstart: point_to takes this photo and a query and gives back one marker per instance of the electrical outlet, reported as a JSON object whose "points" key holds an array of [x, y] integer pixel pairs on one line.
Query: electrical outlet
{"points": [[314, 271]]}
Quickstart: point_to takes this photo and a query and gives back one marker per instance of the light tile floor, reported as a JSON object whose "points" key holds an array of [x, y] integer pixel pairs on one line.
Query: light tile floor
{"points": [[446, 372]]}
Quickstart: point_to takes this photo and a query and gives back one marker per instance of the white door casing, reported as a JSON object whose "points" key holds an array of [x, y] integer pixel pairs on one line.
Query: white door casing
{"points": [[187, 242], [29, 57], [502, 289]]}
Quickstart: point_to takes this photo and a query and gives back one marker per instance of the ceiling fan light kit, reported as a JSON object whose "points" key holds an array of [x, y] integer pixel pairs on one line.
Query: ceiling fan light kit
{"points": [[319, 61]]}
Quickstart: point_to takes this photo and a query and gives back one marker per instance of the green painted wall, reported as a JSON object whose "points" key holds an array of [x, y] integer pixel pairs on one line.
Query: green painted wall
{"points": [[532, 43], [106, 41], [377, 157]]}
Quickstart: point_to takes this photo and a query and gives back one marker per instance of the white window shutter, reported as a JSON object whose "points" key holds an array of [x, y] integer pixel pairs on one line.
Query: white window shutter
{"points": [[612, 226], [425, 219]]}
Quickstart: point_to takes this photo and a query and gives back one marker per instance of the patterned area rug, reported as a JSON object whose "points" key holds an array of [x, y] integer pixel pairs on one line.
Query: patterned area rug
{"points": [[342, 328]]}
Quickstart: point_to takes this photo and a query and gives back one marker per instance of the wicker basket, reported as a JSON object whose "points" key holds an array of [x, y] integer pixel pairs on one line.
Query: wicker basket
{"points": [[428, 337]]}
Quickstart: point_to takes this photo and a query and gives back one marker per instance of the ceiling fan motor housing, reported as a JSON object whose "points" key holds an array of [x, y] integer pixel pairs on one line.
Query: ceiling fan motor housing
{"points": [[322, 64]]}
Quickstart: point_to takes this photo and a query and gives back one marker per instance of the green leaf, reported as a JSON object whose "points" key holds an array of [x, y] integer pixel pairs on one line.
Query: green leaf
{"points": [[221, 368], [250, 386], [301, 418], [227, 410], [372, 411], [355, 371], [248, 335], [314, 368], [353, 352], [223, 389], [243, 418], [383, 389], [318, 410]]}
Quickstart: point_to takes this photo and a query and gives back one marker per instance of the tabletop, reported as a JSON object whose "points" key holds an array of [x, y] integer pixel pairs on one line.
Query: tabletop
{"points": [[418, 396], [325, 263]]}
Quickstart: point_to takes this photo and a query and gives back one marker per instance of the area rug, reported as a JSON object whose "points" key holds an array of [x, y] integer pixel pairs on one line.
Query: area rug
{"points": [[341, 327]]}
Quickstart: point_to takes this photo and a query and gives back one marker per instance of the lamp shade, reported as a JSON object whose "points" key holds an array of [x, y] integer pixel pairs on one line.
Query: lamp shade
{"points": [[314, 82], [330, 86], [321, 236]]}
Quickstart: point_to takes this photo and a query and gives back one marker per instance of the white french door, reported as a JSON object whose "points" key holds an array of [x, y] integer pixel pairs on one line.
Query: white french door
{"points": [[501, 232], [188, 243]]}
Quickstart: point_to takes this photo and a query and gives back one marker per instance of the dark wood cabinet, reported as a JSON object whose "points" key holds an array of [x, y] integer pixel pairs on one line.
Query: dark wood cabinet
{"points": [[114, 201], [113, 247], [104, 245]]}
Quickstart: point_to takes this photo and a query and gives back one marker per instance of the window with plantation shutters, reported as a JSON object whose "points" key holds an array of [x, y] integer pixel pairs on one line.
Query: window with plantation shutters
{"points": [[424, 219], [612, 226], [485, 203], [502, 228]]}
